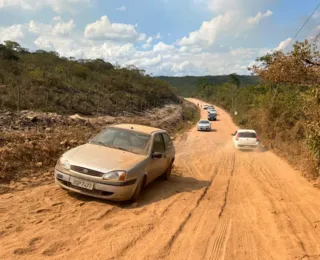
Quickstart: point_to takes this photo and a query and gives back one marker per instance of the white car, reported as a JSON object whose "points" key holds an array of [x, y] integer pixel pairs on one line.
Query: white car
{"points": [[245, 139], [204, 125], [205, 106]]}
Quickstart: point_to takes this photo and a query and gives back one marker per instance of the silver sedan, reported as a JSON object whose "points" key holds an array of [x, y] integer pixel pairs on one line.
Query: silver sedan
{"points": [[204, 125], [118, 163]]}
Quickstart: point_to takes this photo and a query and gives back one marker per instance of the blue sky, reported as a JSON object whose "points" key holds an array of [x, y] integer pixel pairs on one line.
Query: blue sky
{"points": [[164, 37]]}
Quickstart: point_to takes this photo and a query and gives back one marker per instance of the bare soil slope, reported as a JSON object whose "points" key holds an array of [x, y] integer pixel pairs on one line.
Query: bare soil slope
{"points": [[220, 204]]}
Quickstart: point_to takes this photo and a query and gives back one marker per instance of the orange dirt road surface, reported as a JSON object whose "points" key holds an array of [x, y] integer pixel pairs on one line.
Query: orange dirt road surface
{"points": [[220, 204]]}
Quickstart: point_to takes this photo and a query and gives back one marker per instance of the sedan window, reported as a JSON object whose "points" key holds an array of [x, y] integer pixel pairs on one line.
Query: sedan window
{"points": [[167, 141], [158, 144], [122, 139], [247, 135]]}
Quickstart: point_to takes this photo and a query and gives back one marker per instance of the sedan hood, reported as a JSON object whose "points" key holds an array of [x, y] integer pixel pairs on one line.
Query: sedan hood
{"points": [[102, 158]]}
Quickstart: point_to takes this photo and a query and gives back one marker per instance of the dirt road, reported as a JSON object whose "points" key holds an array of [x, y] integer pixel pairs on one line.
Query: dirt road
{"points": [[221, 204]]}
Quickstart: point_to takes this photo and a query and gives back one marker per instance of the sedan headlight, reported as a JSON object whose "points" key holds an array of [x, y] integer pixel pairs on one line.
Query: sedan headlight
{"points": [[115, 175], [64, 163]]}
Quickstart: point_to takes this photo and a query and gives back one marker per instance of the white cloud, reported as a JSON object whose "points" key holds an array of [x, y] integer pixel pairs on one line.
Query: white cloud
{"points": [[56, 5], [196, 54], [146, 45], [122, 9], [149, 40], [59, 28], [283, 44], [209, 30], [142, 37], [104, 29], [43, 43], [316, 15], [62, 28], [57, 19], [223, 6], [145, 62], [162, 59], [111, 51], [162, 47], [12, 33], [39, 28], [256, 19]]}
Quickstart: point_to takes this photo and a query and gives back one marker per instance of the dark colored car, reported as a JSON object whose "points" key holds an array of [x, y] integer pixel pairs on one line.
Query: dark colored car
{"points": [[212, 117]]}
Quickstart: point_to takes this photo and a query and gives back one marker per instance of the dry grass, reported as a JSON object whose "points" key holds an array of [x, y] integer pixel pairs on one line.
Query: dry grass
{"points": [[35, 148]]}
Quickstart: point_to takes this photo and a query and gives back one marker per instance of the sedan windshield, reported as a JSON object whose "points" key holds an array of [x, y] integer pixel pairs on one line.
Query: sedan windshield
{"points": [[204, 122], [125, 140], [247, 135]]}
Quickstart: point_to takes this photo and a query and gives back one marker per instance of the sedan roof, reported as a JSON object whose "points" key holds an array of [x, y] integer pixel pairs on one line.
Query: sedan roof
{"points": [[246, 130], [139, 128]]}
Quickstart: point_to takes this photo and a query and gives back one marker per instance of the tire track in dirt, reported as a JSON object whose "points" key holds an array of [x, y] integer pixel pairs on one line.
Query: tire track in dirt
{"points": [[188, 233], [278, 197], [227, 189], [264, 179], [204, 193], [216, 247]]}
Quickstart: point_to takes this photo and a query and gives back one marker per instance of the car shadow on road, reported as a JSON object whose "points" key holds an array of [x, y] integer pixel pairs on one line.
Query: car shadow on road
{"points": [[161, 189], [262, 149], [212, 130], [156, 191], [258, 150]]}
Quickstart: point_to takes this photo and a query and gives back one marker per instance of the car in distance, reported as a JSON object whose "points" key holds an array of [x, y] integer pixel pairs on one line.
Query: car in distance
{"points": [[204, 125], [117, 163], [211, 110], [212, 116], [205, 107], [245, 139]]}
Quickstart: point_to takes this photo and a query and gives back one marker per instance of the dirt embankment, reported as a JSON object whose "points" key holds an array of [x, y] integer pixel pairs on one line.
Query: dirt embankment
{"points": [[31, 143], [220, 204]]}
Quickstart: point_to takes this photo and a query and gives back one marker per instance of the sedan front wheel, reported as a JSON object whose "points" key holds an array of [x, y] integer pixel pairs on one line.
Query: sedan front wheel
{"points": [[138, 190]]}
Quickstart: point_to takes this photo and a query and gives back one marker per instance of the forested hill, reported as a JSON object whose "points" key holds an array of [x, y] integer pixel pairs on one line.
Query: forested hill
{"points": [[45, 81], [187, 86]]}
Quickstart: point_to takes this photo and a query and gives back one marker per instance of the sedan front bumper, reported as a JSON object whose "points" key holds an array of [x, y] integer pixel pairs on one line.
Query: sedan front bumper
{"points": [[204, 128], [118, 191]]}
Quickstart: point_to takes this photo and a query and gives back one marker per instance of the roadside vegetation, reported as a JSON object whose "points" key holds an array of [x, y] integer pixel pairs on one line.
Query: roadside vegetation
{"points": [[31, 143], [187, 85], [50, 104], [44, 81], [284, 107]]}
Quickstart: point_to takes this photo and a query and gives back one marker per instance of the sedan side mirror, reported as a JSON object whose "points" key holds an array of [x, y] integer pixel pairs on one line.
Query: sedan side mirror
{"points": [[233, 134], [157, 155]]}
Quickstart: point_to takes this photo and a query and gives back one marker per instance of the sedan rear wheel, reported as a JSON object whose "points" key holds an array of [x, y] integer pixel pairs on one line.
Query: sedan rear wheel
{"points": [[167, 174]]}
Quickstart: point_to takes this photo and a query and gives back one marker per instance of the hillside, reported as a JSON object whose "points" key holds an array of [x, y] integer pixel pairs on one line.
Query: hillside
{"points": [[44, 81], [187, 86]]}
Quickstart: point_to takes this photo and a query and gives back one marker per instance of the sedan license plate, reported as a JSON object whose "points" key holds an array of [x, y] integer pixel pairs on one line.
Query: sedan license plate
{"points": [[82, 183]]}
